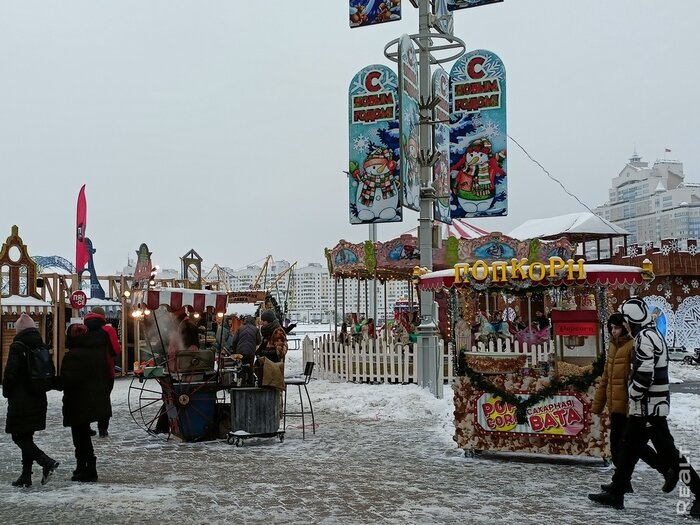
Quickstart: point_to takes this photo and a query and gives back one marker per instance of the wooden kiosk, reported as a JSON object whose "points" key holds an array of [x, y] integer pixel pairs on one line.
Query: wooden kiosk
{"points": [[535, 399]]}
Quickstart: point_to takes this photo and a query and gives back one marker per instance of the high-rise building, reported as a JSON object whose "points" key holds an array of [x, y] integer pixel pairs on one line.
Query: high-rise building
{"points": [[653, 203], [310, 292]]}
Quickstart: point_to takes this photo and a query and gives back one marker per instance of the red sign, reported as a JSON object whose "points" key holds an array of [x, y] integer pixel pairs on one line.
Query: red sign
{"points": [[580, 329], [78, 299]]}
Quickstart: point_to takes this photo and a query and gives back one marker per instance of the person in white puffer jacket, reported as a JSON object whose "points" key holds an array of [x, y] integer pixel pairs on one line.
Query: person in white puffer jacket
{"points": [[649, 403]]}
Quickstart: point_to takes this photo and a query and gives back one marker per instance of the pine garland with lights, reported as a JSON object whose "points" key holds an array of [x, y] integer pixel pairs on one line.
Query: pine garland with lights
{"points": [[579, 383]]}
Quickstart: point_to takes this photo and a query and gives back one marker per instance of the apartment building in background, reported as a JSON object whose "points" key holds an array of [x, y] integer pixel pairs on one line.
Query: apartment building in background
{"points": [[653, 202]]}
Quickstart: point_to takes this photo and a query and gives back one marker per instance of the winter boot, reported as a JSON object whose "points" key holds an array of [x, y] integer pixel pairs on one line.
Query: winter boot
{"points": [[48, 466], [25, 480], [81, 465], [89, 474], [670, 479], [608, 486], [695, 508], [616, 501]]}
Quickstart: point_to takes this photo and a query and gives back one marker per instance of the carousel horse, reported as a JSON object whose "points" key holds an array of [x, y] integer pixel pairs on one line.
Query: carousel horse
{"points": [[532, 336], [490, 331]]}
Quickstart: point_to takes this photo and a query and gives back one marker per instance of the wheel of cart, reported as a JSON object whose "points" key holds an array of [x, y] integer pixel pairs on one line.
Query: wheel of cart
{"points": [[184, 394], [184, 408]]}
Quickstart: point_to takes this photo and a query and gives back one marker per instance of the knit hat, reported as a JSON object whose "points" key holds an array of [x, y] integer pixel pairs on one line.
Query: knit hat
{"points": [[98, 310], [24, 322], [268, 315], [618, 320]]}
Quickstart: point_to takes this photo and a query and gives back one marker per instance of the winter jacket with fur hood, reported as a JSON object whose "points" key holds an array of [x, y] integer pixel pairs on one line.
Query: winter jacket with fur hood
{"points": [[611, 391]]}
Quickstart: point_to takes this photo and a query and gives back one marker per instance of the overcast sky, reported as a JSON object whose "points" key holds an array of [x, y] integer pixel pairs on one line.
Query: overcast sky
{"points": [[221, 126]]}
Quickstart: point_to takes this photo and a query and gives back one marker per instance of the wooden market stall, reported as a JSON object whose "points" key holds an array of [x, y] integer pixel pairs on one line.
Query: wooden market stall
{"points": [[534, 398]]}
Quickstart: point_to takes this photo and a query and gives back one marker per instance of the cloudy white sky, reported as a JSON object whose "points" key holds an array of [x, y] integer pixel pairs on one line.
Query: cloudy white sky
{"points": [[222, 125]]}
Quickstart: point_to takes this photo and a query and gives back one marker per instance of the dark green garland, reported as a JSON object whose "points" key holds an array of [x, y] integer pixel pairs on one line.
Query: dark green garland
{"points": [[579, 383]]}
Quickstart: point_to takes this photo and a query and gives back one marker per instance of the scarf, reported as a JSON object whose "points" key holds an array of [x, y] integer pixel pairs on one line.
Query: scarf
{"points": [[267, 330]]}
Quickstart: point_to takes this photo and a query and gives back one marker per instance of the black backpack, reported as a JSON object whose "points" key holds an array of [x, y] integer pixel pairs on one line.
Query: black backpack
{"points": [[41, 372]]}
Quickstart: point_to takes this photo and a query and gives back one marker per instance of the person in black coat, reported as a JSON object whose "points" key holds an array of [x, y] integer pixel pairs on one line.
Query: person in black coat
{"points": [[245, 341], [86, 385], [26, 410]]}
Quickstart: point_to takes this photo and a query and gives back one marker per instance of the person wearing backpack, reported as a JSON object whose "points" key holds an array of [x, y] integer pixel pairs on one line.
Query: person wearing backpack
{"points": [[86, 383], [26, 407]]}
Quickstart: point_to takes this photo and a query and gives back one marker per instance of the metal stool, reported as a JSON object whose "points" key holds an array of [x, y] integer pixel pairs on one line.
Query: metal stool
{"points": [[299, 382]]}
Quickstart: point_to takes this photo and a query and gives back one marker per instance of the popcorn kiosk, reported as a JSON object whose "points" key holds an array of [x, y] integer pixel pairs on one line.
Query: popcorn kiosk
{"points": [[519, 395]]}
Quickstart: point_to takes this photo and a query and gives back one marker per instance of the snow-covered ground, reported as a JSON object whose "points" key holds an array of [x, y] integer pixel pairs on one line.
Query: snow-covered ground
{"points": [[679, 373], [381, 454]]}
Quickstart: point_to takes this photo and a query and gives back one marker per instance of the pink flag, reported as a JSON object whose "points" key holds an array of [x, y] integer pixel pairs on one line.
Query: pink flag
{"points": [[81, 249]]}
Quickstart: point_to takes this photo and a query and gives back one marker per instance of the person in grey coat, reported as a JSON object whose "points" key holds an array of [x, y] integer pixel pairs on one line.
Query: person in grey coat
{"points": [[26, 410]]}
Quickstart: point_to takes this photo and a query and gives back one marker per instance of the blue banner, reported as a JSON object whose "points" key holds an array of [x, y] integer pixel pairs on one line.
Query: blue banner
{"points": [[374, 174], [478, 136], [441, 144], [370, 12], [409, 119]]}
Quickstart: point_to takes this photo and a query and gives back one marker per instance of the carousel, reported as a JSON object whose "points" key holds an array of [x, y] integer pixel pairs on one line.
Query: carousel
{"points": [[528, 387]]}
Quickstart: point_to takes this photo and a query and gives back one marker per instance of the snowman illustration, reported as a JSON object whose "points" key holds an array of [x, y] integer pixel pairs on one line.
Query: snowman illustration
{"points": [[474, 176], [377, 189]]}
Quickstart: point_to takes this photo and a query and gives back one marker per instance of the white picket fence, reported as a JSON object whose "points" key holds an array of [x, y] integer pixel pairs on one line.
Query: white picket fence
{"points": [[376, 361]]}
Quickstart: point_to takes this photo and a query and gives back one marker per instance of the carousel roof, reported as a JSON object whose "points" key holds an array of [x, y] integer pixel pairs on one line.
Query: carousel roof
{"points": [[175, 298], [16, 304], [613, 275], [460, 229], [577, 227]]}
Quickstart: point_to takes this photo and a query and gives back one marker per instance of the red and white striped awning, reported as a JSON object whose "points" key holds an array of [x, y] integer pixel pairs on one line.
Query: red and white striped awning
{"points": [[17, 304], [613, 275], [459, 229], [197, 300], [463, 230]]}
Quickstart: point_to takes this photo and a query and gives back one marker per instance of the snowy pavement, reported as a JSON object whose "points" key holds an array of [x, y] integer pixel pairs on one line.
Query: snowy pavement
{"points": [[381, 454]]}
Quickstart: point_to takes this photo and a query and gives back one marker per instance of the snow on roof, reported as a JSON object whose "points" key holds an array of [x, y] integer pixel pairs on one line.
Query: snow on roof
{"points": [[579, 224], [15, 304]]}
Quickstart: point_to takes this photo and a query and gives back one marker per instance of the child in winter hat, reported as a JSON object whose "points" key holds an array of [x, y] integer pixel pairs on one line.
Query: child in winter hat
{"points": [[24, 322]]}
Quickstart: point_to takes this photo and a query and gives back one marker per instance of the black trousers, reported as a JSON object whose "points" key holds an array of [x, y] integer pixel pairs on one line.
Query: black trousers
{"points": [[25, 442], [638, 431], [82, 441], [646, 453], [103, 424]]}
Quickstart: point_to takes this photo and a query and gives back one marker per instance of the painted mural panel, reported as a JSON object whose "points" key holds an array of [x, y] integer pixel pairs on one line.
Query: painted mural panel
{"points": [[374, 173], [409, 118], [441, 144], [371, 12], [478, 136]]}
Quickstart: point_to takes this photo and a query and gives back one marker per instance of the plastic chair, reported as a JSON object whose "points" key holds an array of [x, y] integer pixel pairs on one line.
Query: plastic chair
{"points": [[299, 382]]}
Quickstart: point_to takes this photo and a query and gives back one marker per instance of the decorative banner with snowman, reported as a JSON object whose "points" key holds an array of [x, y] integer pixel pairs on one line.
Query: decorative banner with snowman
{"points": [[478, 136], [409, 119], [441, 144], [374, 176], [453, 5]]}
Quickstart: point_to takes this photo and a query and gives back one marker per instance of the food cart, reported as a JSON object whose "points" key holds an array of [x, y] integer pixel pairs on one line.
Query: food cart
{"points": [[518, 397], [192, 391]]}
